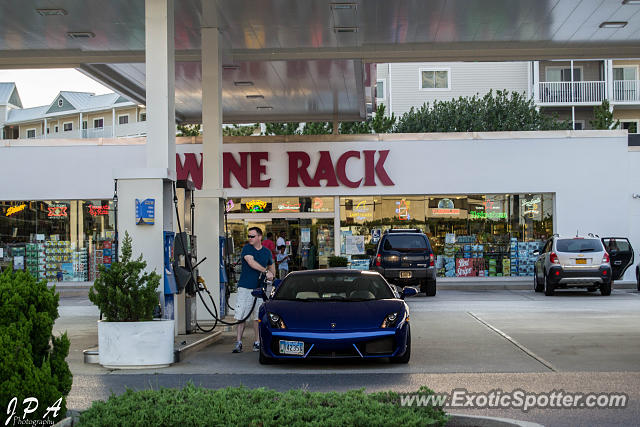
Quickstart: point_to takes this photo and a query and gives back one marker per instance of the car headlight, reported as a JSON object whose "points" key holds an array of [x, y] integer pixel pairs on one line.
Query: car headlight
{"points": [[390, 321], [276, 321]]}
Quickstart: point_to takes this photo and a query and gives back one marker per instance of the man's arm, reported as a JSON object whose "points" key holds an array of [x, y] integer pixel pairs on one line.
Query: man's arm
{"points": [[257, 266]]}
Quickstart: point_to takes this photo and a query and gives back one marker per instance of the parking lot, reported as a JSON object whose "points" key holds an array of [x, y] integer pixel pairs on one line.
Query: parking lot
{"points": [[476, 339]]}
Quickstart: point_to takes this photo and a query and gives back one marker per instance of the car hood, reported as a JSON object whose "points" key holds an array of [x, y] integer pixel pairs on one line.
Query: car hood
{"points": [[320, 315]]}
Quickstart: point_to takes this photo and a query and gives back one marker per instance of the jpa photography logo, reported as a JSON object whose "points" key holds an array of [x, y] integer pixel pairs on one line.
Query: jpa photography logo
{"points": [[19, 415]]}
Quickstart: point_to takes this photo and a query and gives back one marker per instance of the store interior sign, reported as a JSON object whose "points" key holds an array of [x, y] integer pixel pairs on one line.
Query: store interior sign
{"points": [[403, 210], [256, 205], [98, 210], [58, 211], [15, 209], [530, 207], [289, 207], [361, 211]]}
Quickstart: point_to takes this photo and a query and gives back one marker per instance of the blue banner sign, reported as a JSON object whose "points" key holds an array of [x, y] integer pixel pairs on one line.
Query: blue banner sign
{"points": [[145, 211]]}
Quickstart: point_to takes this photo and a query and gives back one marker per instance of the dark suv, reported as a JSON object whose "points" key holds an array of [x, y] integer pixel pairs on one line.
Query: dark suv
{"points": [[404, 257]]}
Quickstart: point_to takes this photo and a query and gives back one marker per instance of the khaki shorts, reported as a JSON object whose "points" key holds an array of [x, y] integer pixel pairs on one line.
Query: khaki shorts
{"points": [[244, 302]]}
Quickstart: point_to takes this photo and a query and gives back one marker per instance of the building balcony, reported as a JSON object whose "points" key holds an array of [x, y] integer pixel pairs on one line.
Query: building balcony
{"points": [[626, 92], [571, 93]]}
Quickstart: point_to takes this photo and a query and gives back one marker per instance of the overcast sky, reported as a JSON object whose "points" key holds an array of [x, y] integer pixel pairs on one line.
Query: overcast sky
{"points": [[39, 87]]}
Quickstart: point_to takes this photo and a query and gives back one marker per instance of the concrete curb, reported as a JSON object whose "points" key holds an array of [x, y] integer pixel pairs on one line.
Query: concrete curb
{"points": [[462, 420], [181, 353]]}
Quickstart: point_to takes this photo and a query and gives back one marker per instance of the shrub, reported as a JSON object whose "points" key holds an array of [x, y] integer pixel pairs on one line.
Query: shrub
{"points": [[195, 406], [503, 112], [603, 117], [338, 261], [33, 360], [123, 293]]}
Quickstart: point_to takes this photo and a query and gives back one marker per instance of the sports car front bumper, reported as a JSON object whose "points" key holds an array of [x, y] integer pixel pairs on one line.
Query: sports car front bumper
{"points": [[353, 344]]}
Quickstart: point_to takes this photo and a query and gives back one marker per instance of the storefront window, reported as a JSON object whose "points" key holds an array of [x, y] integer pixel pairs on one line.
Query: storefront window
{"points": [[279, 204], [57, 240], [471, 235]]}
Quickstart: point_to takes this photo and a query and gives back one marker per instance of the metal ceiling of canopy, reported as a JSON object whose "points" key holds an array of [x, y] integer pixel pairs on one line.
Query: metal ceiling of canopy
{"points": [[308, 59]]}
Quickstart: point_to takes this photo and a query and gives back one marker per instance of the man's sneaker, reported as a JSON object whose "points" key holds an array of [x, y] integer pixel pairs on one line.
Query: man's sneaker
{"points": [[256, 346], [238, 347]]}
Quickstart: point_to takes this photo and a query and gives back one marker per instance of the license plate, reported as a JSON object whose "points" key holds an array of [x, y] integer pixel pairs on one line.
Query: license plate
{"points": [[405, 275], [581, 261], [292, 347]]}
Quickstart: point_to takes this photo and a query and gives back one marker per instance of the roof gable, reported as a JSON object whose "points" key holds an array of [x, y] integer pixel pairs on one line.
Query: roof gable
{"points": [[60, 104], [9, 95]]}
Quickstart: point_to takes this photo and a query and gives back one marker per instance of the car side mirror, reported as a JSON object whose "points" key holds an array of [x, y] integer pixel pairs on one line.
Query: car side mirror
{"points": [[536, 252], [408, 292], [259, 293]]}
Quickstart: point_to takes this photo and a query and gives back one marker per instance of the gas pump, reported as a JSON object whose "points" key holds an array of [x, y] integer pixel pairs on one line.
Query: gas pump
{"points": [[185, 255]]}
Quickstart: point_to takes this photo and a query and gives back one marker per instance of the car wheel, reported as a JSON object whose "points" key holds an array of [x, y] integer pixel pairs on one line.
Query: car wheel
{"points": [[549, 289], [605, 289], [407, 353], [638, 278], [537, 286], [265, 360], [428, 287]]}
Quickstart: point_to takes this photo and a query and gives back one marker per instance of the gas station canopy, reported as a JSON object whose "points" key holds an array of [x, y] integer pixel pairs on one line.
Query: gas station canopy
{"points": [[307, 60]]}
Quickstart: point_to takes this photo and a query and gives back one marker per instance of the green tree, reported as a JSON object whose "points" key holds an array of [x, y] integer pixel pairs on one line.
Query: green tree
{"points": [[290, 128], [123, 293], [603, 117], [318, 128], [238, 130], [380, 123], [503, 111], [189, 130], [33, 360]]}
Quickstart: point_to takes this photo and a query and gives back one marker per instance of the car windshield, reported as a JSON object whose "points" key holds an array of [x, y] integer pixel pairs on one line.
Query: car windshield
{"points": [[405, 243], [579, 245], [333, 287]]}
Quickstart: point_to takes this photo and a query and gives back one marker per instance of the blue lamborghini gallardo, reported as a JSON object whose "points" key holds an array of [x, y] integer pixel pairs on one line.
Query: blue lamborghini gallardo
{"points": [[334, 314]]}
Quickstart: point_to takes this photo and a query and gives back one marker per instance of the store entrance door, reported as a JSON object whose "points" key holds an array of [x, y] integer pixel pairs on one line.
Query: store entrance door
{"points": [[309, 241]]}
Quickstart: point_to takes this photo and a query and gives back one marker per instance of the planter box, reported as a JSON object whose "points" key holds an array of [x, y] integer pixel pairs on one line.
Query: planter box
{"points": [[125, 345]]}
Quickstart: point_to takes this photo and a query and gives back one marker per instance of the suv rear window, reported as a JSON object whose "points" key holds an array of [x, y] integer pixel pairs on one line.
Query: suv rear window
{"points": [[405, 243], [579, 245]]}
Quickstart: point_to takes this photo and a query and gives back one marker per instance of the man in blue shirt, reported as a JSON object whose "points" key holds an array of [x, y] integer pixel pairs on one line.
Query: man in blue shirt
{"points": [[256, 260]]}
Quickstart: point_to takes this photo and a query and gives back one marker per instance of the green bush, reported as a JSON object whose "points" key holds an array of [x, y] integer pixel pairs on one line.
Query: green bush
{"points": [[123, 293], [195, 406], [338, 261], [603, 117], [503, 112], [33, 360]]}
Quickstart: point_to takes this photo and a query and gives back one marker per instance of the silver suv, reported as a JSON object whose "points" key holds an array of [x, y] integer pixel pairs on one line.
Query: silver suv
{"points": [[582, 261]]}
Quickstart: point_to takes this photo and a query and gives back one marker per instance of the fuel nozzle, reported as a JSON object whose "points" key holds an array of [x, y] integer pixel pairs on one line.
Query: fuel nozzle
{"points": [[201, 281]]}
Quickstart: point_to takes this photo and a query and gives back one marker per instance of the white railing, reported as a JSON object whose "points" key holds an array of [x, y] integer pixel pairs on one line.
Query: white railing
{"points": [[571, 92], [626, 91], [131, 129]]}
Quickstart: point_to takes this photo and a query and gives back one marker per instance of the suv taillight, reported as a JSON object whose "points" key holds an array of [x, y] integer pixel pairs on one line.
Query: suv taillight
{"points": [[431, 261], [605, 258], [378, 260], [553, 258]]}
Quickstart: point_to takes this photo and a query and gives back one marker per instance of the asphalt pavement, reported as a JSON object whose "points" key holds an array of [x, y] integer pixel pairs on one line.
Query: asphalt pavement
{"points": [[476, 339]]}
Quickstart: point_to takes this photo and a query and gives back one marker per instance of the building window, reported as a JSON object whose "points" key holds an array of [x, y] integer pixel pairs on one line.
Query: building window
{"points": [[562, 74], [123, 120], [631, 125], [380, 93], [67, 127], [98, 123], [143, 117], [31, 133], [625, 73], [435, 79], [55, 129], [84, 124]]}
